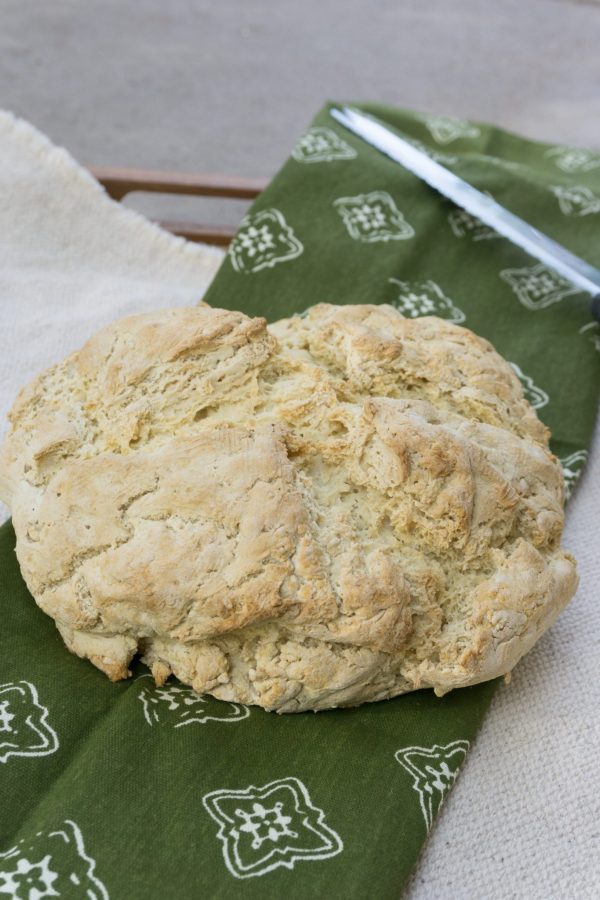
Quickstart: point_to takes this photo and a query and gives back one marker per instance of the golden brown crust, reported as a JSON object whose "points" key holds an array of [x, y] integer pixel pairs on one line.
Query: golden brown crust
{"points": [[337, 508]]}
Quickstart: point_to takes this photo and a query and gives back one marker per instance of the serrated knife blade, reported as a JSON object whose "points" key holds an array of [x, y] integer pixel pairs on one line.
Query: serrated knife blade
{"points": [[534, 242]]}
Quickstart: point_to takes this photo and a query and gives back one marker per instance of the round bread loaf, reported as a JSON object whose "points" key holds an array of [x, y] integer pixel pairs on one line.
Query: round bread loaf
{"points": [[337, 508]]}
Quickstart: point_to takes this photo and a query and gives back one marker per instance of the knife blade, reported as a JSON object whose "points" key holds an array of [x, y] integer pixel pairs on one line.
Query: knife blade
{"points": [[576, 270]]}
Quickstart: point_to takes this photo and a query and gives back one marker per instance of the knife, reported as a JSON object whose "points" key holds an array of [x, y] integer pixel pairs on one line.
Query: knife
{"points": [[572, 267]]}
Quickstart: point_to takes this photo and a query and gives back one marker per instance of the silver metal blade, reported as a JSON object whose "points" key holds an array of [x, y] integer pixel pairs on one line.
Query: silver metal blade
{"points": [[539, 245]]}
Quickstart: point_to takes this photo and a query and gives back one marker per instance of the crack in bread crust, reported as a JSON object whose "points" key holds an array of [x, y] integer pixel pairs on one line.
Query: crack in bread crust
{"points": [[333, 509]]}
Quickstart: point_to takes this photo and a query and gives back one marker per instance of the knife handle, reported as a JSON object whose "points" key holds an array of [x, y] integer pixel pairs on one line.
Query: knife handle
{"points": [[595, 307]]}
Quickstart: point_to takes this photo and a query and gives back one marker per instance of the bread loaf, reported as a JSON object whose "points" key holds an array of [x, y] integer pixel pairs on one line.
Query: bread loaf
{"points": [[337, 508]]}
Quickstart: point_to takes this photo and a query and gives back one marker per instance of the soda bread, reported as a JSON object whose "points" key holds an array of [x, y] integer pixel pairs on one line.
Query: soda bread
{"points": [[333, 509]]}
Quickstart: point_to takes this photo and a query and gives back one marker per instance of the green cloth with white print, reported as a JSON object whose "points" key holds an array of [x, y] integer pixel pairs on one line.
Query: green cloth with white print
{"points": [[131, 791]]}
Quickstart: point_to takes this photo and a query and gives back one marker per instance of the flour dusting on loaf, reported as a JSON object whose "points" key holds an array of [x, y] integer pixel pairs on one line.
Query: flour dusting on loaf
{"points": [[336, 508]]}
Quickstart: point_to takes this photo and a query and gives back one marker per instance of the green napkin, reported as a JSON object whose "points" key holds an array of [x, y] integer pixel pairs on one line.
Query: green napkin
{"points": [[131, 791]]}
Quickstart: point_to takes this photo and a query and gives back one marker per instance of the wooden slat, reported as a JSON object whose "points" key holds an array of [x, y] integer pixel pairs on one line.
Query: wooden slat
{"points": [[120, 182], [219, 235]]}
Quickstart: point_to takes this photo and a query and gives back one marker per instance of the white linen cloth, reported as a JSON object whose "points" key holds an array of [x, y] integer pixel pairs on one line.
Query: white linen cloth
{"points": [[523, 820], [72, 259]]}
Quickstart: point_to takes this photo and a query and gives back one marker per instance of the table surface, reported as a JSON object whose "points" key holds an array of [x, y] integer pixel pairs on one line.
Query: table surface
{"points": [[200, 86]]}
